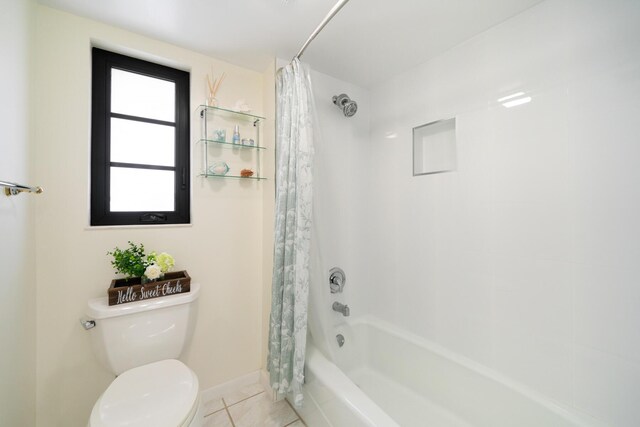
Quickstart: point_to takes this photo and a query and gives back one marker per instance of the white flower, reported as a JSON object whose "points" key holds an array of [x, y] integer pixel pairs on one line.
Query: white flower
{"points": [[153, 272]]}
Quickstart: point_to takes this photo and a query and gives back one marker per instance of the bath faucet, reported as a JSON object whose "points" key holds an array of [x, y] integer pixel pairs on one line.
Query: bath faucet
{"points": [[341, 308]]}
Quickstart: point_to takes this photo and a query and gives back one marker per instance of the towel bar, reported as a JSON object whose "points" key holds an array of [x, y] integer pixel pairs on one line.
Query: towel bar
{"points": [[13, 189]]}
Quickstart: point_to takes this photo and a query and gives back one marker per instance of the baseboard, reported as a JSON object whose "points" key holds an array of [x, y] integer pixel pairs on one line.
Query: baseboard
{"points": [[230, 386], [264, 380]]}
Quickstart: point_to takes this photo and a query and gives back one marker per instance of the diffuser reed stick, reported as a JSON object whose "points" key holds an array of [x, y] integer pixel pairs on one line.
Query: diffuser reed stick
{"points": [[213, 89]]}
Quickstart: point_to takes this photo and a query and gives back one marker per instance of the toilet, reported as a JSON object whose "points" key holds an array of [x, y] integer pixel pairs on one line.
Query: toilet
{"points": [[140, 343]]}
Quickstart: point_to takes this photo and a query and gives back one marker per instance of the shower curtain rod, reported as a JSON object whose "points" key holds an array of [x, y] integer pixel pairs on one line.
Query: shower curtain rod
{"points": [[334, 10]]}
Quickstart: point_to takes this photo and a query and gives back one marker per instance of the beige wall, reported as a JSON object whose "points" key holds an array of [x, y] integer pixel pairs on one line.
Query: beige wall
{"points": [[17, 289], [268, 201], [222, 249]]}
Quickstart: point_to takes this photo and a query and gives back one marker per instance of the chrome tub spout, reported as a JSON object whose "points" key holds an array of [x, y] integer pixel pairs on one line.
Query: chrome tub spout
{"points": [[341, 308]]}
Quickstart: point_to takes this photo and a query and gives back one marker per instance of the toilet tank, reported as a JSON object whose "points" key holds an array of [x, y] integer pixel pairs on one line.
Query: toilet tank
{"points": [[134, 334]]}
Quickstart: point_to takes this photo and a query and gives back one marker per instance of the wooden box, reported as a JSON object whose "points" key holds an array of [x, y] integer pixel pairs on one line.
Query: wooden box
{"points": [[123, 291]]}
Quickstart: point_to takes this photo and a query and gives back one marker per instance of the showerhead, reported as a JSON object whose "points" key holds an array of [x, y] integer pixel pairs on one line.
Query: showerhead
{"points": [[345, 103]]}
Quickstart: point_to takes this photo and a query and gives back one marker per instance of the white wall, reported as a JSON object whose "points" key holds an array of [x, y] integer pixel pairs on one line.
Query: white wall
{"points": [[222, 249], [17, 290], [526, 258]]}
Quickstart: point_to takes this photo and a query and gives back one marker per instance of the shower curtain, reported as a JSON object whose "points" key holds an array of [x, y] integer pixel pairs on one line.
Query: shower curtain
{"points": [[290, 292]]}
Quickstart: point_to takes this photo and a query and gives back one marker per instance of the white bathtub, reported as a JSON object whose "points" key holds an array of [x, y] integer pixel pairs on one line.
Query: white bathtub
{"points": [[388, 377]]}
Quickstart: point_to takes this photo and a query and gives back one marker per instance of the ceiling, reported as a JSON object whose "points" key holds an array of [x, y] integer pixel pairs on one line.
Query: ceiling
{"points": [[367, 42]]}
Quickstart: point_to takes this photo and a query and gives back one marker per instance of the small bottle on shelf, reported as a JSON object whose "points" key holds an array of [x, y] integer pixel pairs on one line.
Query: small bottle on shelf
{"points": [[236, 134]]}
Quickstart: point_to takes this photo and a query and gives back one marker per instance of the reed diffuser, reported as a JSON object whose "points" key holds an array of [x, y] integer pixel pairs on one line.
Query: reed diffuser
{"points": [[214, 85]]}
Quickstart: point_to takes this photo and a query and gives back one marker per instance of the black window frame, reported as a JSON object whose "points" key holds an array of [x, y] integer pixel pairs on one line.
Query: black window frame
{"points": [[102, 63]]}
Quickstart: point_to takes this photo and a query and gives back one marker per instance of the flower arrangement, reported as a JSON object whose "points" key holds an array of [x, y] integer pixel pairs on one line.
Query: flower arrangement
{"points": [[133, 262]]}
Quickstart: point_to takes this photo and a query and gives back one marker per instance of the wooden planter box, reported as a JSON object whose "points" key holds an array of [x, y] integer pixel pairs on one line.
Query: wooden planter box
{"points": [[123, 291]]}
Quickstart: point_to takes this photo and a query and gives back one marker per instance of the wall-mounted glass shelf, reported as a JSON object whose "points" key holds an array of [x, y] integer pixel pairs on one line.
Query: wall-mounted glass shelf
{"points": [[212, 175], [230, 144], [216, 126], [231, 114]]}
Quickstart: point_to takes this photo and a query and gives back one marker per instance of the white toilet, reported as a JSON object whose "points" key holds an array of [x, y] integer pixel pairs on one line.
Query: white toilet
{"points": [[140, 342]]}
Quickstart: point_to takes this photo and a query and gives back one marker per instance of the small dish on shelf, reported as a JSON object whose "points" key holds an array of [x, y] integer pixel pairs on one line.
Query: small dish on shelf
{"points": [[219, 168]]}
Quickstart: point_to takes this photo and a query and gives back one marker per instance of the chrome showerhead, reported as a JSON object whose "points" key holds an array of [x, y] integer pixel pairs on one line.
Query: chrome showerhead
{"points": [[345, 103]]}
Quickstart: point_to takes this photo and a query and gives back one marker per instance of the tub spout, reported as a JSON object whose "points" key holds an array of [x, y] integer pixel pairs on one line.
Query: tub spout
{"points": [[341, 308]]}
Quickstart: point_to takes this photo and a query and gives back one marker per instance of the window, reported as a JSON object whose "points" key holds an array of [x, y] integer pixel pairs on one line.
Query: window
{"points": [[139, 142]]}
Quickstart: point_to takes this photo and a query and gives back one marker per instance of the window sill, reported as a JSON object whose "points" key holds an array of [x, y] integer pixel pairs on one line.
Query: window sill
{"points": [[134, 227]]}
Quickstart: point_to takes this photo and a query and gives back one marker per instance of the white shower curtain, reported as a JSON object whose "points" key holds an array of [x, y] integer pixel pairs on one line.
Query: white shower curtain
{"points": [[294, 147]]}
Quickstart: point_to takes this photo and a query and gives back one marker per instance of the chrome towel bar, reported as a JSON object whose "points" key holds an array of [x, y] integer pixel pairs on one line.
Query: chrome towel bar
{"points": [[13, 189]]}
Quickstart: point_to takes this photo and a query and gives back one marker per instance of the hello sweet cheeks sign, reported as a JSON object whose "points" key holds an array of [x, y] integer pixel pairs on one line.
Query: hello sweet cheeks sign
{"points": [[123, 291]]}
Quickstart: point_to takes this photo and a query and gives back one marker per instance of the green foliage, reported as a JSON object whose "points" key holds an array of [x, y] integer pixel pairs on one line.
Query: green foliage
{"points": [[132, 262]]}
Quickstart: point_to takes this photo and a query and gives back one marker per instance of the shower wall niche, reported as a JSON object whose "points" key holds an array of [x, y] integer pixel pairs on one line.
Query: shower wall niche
{"points": [[434, 147]]}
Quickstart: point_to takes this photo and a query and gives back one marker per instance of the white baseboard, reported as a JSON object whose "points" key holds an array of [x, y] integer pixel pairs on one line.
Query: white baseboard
{"points": [[230, 386], [264, 380]]}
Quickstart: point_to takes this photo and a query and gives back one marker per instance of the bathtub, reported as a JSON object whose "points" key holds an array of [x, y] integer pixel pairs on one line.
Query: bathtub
{"points": [[387, 377]]}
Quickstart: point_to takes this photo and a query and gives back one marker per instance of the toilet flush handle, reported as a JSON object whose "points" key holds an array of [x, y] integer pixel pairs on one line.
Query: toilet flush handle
{"points": [[88, 323]]}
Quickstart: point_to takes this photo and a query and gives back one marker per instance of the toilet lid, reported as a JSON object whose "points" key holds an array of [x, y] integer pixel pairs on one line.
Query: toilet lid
{"points": [[160, 394]]}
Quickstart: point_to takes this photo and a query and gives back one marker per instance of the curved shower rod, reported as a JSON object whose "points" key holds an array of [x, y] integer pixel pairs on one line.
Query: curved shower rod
{"points": [[334, 10], [13, 189]]}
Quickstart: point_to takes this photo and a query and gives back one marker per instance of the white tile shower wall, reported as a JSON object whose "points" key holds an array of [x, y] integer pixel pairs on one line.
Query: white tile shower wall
{"points": [[525, 259], [341, 155]]}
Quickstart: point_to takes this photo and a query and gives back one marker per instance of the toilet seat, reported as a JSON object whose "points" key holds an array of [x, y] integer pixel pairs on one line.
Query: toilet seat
{"points": [[159, 394]]}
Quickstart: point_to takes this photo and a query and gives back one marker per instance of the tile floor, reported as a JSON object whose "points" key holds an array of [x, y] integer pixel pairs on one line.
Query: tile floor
{"points": [[249, 407]]}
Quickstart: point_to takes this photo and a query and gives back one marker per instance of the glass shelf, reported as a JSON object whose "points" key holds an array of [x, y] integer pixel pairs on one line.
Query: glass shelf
{"points": [[211, 175], [235, 115], [214, 121], [230, 144]]}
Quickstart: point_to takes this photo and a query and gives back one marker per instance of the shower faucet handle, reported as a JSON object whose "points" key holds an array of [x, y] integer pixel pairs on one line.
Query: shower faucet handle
{"points": [[337, 280]]}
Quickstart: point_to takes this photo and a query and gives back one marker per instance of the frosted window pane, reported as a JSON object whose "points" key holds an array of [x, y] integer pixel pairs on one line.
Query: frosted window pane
{"points": [[134, 190], [143, 143], [142, 96]]}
